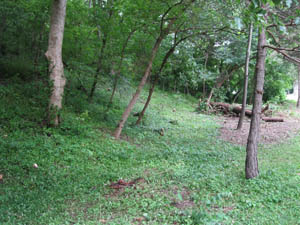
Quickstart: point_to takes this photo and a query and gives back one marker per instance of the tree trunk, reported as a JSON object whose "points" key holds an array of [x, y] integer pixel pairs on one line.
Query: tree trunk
{"points": [[236, 96], [101, 56], [151, 90], [117, 76], [99, 68], [126, 113], [209, 96], [244, 104], [54, 56], [166, 57], [251, 164], [298, 101]]}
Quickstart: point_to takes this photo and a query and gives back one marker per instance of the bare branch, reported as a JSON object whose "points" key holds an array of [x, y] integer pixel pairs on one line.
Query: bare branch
{"points": [[282, 49], [286, 25], [166, 13], [282, 52]]}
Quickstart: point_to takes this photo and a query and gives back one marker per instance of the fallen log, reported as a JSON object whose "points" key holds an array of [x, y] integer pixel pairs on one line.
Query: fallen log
{"points": [[270, 119], [238, 110], [227, 108]]}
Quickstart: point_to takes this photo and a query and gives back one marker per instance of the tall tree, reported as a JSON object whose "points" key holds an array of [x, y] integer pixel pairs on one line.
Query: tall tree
{"points": [[54, 56], [251, 167], [242, 114]]}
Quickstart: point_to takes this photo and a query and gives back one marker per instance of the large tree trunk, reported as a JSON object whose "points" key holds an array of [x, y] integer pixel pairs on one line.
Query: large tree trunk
{"points": [[242, 115], [298, 101], [126, 113], [251, 165], [54, 56]]}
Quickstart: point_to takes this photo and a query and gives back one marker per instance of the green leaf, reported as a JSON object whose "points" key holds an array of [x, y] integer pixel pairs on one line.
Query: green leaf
{"points": [[276, 2]]}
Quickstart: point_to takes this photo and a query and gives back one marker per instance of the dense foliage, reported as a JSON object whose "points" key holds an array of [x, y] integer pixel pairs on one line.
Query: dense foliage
{"points": [[101, 36]]}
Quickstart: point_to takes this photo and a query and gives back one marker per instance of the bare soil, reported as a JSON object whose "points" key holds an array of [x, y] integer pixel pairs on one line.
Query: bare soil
{"points": [[270, 132]]}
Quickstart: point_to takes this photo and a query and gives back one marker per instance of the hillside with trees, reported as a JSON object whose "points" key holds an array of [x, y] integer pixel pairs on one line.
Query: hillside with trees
{"points": [[149, 112]]}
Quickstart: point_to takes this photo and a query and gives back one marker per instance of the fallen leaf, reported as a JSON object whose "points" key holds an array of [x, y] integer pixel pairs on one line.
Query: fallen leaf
{"points": [[1, 176]]}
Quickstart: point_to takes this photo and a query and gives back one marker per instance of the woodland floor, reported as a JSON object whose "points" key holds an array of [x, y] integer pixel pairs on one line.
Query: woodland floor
{"points": [[186, 176], [270, 132]]}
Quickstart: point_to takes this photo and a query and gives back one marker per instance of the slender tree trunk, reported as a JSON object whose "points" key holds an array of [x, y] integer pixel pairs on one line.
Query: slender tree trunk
{"points": [[126, 113], [54, 56], [117, 75], [204, 88], [251, 164], [209, 96], [298, 101], [236, 96], [99, 68], [101, 56], [151, 90], [244, 104]]}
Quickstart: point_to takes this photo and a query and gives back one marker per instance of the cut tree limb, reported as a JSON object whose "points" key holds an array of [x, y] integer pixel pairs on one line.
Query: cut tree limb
{"points": [[270, 119], [227, 109]]}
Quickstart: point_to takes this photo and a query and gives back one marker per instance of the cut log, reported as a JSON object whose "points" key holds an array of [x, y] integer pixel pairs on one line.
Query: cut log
{"points": [[270, 119], [238, 110], [227, 108]]}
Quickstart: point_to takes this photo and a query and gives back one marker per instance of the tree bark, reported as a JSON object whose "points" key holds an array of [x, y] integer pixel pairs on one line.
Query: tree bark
{"points": [[244, 104], [298, 101], [54, 56], [251, 164]]}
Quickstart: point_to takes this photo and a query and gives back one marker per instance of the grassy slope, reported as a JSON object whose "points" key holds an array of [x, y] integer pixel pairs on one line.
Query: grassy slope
{"points": [[187, 167]]}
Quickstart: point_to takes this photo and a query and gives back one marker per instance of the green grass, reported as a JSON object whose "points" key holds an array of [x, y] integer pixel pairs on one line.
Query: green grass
{"points": [[189, 175]]}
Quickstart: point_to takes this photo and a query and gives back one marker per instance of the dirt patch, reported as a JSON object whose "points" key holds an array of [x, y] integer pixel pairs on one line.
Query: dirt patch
{"points": [[183, 199], [270, 133]]}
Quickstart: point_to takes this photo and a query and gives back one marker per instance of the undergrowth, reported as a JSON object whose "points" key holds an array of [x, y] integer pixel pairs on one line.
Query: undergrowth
{"points": [[188, 175]]}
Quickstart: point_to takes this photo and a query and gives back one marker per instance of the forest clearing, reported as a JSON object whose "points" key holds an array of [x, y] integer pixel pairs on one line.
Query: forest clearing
{"points": [[149, 112]]}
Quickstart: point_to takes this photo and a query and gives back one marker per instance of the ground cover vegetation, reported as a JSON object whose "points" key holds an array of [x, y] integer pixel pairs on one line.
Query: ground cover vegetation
{"points": [[106, 117]]}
